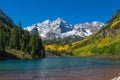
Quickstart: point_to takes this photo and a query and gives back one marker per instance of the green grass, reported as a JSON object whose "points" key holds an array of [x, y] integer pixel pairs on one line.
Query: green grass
{"points": [[18, 54]]}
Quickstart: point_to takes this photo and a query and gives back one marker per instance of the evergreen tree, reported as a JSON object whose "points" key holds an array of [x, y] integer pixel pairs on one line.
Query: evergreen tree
{"points": [[20, 33], [25, 41], [20, 39], [36, 46], [15, 38], [2, 41], [6, 31]]}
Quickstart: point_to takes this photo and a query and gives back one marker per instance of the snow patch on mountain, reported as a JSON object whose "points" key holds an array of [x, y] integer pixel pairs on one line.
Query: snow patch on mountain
{"points": [[61, 29]]}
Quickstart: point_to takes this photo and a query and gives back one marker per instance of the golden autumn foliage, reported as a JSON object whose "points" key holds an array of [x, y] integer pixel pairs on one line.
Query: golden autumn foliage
{"points": [[114, 24], [98, 46], [63, 48], [76, 43], [50, 47], [59, 48]]}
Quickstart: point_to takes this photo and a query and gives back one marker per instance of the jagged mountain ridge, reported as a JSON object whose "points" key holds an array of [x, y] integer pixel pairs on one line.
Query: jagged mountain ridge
{"points": [[61, 29]]}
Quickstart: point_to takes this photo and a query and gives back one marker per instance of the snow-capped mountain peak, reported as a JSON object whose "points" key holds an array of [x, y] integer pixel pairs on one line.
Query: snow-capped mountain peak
{"points": [[59, 28], [96, 23], [59, 20], [46, 22]]}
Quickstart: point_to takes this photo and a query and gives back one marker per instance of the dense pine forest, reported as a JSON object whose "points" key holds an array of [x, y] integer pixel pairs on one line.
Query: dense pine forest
{"points": [[18, 43]]}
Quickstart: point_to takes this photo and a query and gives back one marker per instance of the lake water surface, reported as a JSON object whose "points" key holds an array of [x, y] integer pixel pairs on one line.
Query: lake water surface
{"points": [[56, 68], [56, 63]]}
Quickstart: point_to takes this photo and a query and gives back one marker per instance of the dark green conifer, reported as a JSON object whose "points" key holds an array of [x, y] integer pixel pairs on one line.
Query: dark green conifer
{"points": [[36, 46], [2, 41], [25, 41]]}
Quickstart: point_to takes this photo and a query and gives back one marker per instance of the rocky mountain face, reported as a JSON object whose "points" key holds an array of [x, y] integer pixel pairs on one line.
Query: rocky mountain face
{"points": [[112, 28], [60, 29]]}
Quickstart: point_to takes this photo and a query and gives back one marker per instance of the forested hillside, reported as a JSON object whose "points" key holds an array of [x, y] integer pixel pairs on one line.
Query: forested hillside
{"points": [[18, 43]]}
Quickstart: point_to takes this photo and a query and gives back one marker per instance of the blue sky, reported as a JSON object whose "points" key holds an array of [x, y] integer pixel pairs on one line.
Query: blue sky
{"points": [[73, 11]]}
